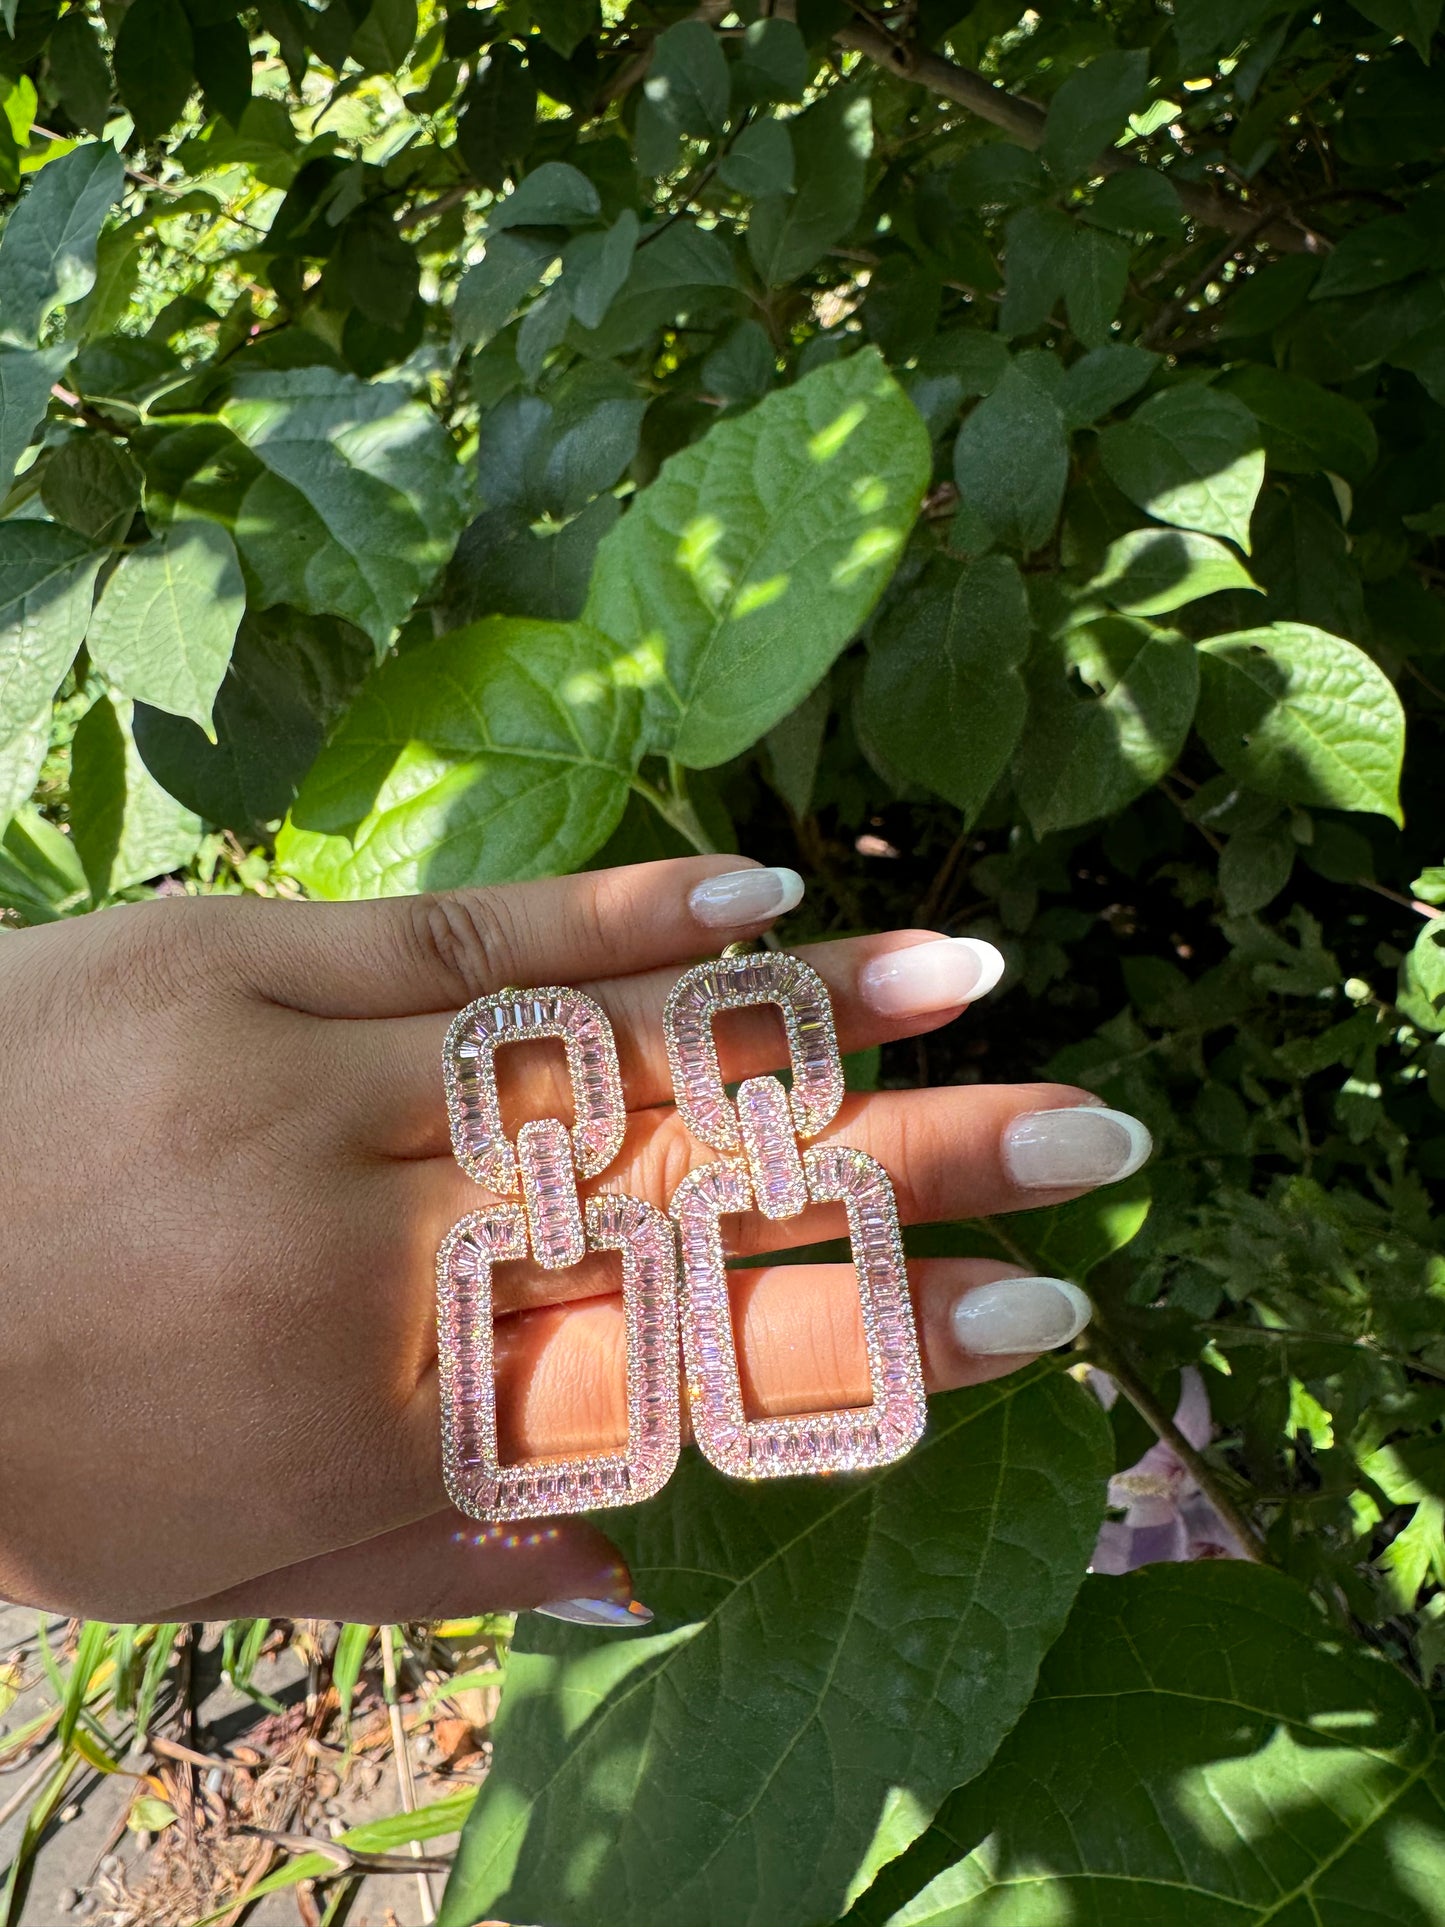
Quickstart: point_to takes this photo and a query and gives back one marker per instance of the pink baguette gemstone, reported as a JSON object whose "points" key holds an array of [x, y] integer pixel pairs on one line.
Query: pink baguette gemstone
{"points": [[549, 1192], [852, 1440], [774, 1165], [477, 1482]]}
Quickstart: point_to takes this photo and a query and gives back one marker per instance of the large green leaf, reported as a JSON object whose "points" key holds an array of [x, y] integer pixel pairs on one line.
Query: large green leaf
{"points": [[1203, 1749], [1011, 459], [92, 485], [47, 252], [1304, 716], [750, 562], [166, 619], [831, 145], [40, 874], [126, 828], [1091, 108], [1305, 427], [47, 578], [942, 700], [685, 92], [380, 499], [502, 751], [1087, 751], [1190, 456], [828, 1659], [289, 678], [1148, 572], [26, 377]]}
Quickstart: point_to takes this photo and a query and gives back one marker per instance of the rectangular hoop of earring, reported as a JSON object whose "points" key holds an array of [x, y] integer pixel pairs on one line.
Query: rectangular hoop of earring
{"points": [[551, 1225], [775, 1177]]}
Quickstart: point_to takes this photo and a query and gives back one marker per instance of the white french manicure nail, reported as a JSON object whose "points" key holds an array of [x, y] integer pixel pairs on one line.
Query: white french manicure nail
{"points": [[740, 897], [1019, 1315], [1051, 1150], [930, 976]]}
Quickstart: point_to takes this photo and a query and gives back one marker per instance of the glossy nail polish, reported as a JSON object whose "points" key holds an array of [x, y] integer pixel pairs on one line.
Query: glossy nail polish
{"points": [[1085, 1144], [738, 898], [596, 1612], [1019, 1316], [930, 976]]}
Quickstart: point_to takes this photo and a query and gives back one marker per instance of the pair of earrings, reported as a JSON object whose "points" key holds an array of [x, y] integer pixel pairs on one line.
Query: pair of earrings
{"points": [[674, 1275]]}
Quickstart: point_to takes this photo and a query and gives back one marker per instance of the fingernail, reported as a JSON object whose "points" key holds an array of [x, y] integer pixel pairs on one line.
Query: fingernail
{"points": [[596, 1612], [1020, 1315], [740, 897], [930, 976], [1045, 1150]]}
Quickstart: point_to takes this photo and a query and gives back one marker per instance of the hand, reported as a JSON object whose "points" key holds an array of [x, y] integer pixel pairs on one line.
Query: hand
{"points": [[227, 1172]]}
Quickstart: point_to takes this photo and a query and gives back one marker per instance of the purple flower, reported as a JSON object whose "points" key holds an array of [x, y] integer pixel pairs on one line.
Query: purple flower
{"points": [[1167, 1518]]}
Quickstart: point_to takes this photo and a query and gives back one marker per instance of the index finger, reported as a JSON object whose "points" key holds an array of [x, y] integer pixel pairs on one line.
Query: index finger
{"points": [[408, 956]]}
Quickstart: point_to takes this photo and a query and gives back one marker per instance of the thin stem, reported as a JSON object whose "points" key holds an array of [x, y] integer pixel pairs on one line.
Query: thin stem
{"points": [[1102, 1351], [403, 1760], [675, 807]]}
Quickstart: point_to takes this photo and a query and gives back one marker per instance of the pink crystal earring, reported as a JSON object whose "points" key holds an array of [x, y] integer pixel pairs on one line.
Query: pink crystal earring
{"points": [[550, 1223], [775, 1177]]}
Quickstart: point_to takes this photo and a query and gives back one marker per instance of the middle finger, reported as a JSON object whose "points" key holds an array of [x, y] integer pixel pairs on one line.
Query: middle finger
{"points": [[388, 1072]]}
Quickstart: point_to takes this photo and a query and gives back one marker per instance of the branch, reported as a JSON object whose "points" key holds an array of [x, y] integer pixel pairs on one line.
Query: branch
{"points": [[1095, 1345], [1023, 121]]}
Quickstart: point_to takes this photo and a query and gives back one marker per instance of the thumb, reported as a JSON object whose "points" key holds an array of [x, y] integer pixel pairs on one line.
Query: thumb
{"points": [[442, 1567]]}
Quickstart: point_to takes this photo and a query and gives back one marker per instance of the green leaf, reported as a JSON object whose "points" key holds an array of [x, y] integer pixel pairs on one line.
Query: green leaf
{"points": [[24, 745], [942, 701], [40, 874], [743, 367], [682, 273], [290, 677], [1091, 110], [385, 37], [497, 123], [1097, 275], [1099, 381], [78, 69], [685, 91], [832, 142], [1038, 242], [153, 64], [1085, 755], [502, 751], [793, 748], [47, 579], [47, 252], [1138, 201], [1303, 716], [772, 64], [166, 619], [492, 290], [92, 485], [1373, 256], [222, 60], [1306, 427], [1190, 456], [1011, 459], [1148, 572], [750, 562], [1203, 1747], [1413, 20], [894, 1622], [760, 161], [565, 24], [595, 268], [126, 828], [508, 564], [1254, 866], [26, 378], [362, 502], [552, 195], [1426, 969]]}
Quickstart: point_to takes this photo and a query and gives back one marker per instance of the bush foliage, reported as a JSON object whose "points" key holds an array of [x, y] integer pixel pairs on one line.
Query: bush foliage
{"points": [[994, 460]]}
